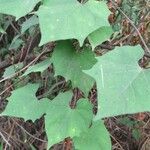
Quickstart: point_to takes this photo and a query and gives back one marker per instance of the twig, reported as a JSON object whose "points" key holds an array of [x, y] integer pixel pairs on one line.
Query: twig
{"points": [[9, 136], [22, 55], [131, 22], [24, 68], [17, 31], [51, 89], [3, 137], [14, 140], [6, 89], [116, 141], [6, 63], [10, 86], [32, 42], [28, 132]]}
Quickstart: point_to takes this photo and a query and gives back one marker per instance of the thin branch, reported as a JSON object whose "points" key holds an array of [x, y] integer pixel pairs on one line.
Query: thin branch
{"points": [[116, 141], [5, 140], [10, 86], [6, 89], [131, 22], [26, 67], [9, 136], [51, 89], [22, 55], [17, 31], [6, 63], [28, 132]]}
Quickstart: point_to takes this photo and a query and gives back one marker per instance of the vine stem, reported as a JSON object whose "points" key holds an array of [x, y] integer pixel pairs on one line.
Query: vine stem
{"points": [[133, 25]]}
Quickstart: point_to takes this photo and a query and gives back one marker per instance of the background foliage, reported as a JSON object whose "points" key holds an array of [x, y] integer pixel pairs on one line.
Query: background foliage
{"points": [[57, 82]]}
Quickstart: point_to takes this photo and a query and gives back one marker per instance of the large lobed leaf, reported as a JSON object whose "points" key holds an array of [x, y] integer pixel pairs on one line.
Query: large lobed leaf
{"points": [[69, 63], [69, 19], [17, 8], [61, 19], [62, 122], [123, 87]]}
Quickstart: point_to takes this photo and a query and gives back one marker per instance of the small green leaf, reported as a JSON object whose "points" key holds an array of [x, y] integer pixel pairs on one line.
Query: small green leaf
{"points": [[24, 104], [123, 87], [100, 35], [12, 70], [95, 138], [69, 63], [127, 122], [136, 134], [39, 67], [69, 19], [29, 23], [16, 42], [61, 121]]}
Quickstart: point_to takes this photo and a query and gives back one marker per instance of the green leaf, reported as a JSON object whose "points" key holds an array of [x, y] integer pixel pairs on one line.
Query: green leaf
{"points": [[69, 63], [100, 35], [12, 70], [61, 121], [29, 23], [24, 104], [127, 122], [136, 134], [123, 87], [39, 67], [17, 8], [32, 147], [94, 138], [16, 42], [1, 146], [69, 19]]}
